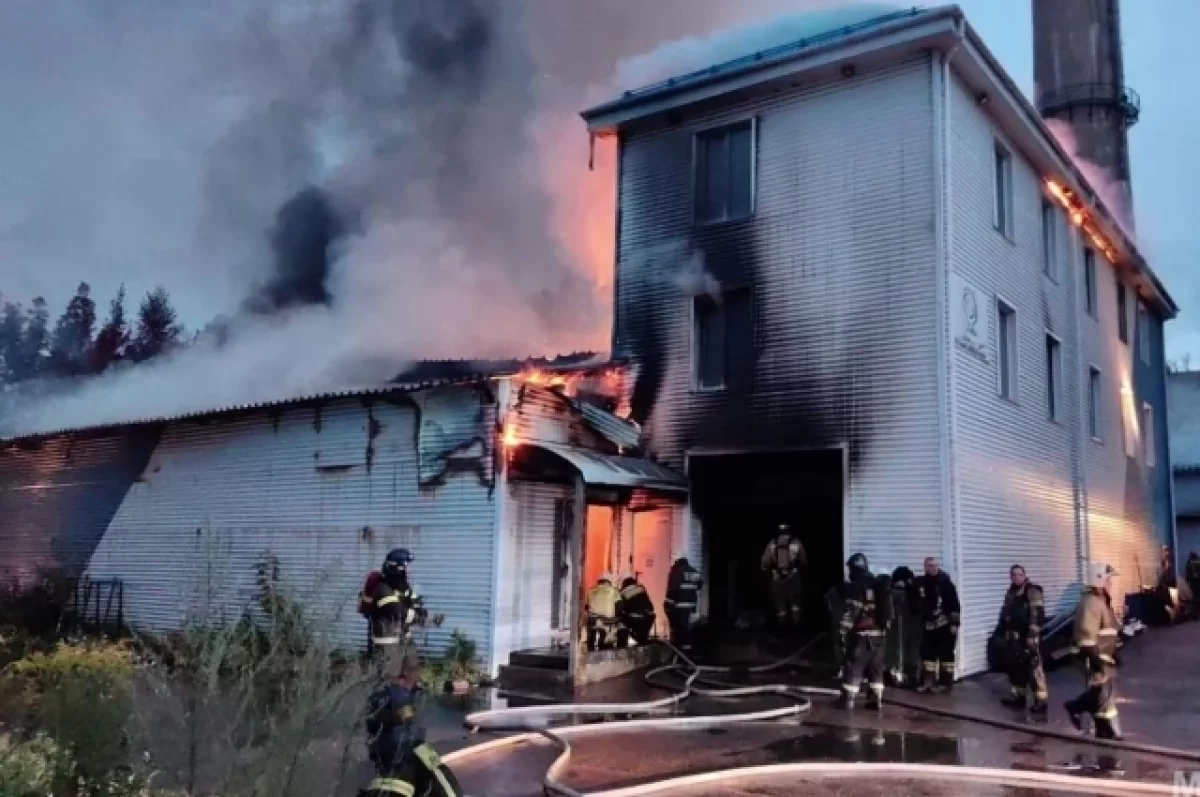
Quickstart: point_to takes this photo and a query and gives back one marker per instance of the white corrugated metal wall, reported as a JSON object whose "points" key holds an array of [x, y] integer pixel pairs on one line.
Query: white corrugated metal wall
{"points": [[528, 568], [216, 495], [1015, 467], [845, 322]]}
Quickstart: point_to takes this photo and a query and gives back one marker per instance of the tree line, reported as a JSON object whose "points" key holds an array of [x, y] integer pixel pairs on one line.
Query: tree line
{"points": [[30, 348]]}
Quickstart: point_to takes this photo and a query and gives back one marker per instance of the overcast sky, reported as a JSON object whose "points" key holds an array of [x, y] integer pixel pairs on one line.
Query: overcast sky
{"points": [[72, 149]]}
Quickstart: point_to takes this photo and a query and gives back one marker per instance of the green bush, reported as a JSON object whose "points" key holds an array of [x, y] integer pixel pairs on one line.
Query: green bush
{"points": [[34, 768], [459, 662], [82, 697]]}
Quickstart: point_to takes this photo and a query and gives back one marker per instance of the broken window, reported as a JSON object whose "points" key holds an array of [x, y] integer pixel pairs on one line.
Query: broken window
{"points": [[725, 173], [723, 341]]}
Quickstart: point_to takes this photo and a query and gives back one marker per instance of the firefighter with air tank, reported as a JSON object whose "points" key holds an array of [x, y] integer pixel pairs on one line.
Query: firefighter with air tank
{"points": [[683, 597], [635, 611], [395, 606], [1022, 617], [783, 559], [937, 602], [1097, 635], [863, 631]]}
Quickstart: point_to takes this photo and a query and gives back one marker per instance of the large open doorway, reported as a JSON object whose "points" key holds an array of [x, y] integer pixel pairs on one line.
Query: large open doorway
{"points": [[740, 500]]}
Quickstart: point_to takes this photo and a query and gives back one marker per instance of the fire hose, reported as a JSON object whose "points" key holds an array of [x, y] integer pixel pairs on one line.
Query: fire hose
{"points": [[518, 719]]}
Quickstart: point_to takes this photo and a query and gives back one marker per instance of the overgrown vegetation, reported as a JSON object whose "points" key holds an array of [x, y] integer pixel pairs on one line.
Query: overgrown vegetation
{"points": [[263, 705]]}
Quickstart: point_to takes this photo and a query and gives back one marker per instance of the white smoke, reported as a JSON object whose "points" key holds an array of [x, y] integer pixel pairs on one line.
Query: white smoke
{"points": [[154, 143], [1113, 193]]}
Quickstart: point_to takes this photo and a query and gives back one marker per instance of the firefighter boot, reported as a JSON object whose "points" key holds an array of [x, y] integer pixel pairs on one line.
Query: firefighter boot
{"points": [[875, 700], [928, 682], [1108, 728], [1039, 707], [845, 701], [1014, 700]]}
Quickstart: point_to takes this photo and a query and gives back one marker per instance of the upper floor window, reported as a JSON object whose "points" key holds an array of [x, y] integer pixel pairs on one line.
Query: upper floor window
{"points": [[1122, 311], [1143, 333], [1148, 434], [1095, 402], [1049, 240], [1006, 348], [1053, 377], [722, 340], [1002, 182], [725, 173], [1089, 280]]}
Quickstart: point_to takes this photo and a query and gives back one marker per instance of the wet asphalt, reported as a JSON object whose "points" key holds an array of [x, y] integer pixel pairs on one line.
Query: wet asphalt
{"points": [[1160, 705]]}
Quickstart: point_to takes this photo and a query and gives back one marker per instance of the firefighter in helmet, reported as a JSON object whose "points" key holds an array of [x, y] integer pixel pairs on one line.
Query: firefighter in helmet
{"points": [[1021, 620], [396, 607], [1096, 636], [636, 612], [783, 559], [863, 632], [683, 597], [937, 601], [603, 608], [405, 764]]}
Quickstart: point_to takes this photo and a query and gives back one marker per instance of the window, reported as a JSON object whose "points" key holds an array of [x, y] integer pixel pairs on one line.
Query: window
{"points": [[725, 173], [722, 341], [1053, 376], [1122, 312], [1049, 240], [560, 591], [1148, 434], [1089, 280], [1002, 178], [1143, 333], [1006, 348], [1094, 398]]}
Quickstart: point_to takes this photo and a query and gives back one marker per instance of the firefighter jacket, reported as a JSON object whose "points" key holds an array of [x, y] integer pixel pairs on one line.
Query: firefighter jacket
{"points": [[392, 731], [937, 600], [603, 602], [1096, 630], [683, 587], [636, 604], [868, 606], [1023, 614], [394, 610], [783, 556]]}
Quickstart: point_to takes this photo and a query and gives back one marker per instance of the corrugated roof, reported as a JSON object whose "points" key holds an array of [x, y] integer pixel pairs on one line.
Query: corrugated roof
{"points": [[606, 470], [1183, 419], [755, 60]]}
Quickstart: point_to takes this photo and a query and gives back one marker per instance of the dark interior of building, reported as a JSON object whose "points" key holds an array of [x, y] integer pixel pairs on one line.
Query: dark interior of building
{"points": [[741, 500]]}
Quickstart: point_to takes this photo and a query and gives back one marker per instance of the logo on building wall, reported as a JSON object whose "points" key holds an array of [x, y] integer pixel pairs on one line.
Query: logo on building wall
{"points": [[966, 317]]}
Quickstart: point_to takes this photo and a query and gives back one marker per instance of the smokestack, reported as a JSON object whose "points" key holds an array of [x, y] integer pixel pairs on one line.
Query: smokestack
{"points": [[1079, 79]]}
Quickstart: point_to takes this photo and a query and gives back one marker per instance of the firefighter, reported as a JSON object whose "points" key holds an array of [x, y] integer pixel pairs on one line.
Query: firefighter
{"points": [[366, 605], [904, 637], [1192, 576], [405, 764], [1096, 637], [603, 607], [863, 632], [783, 559], [937, 601], [1022, 618], [683, 596], [636, 613], [395, 607]]}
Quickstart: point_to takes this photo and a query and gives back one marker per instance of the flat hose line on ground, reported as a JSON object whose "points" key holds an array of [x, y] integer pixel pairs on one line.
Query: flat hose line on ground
{"points": [[503, 720]]}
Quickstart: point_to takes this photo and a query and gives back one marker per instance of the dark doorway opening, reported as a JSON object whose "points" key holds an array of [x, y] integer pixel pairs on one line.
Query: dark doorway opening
{"points": [[741, 499]]}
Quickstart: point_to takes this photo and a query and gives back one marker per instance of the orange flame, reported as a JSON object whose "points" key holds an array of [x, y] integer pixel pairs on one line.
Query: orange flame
{"points": [[1081, 217]]}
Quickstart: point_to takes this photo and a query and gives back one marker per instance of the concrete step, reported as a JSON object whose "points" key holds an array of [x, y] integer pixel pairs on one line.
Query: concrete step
{"points": [[537, 680], [544, 660]]}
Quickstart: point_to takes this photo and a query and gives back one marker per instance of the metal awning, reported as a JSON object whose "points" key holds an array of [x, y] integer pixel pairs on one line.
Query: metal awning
{"points": [[607, 470]]}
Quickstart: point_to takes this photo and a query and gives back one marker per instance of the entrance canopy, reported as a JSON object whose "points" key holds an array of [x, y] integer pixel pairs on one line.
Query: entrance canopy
{"points": [[606, 470]]}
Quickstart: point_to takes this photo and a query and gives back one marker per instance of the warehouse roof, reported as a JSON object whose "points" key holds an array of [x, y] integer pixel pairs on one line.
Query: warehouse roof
{"points": [[423, 375], [874, 43]]}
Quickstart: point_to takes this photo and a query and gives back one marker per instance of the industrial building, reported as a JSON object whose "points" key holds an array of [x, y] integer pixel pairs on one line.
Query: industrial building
{"points": [[491, 474], [921, 331]]}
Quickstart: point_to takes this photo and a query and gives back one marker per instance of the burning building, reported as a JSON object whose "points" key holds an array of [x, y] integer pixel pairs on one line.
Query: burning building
{"points": [[920, 330], [513, 484]]}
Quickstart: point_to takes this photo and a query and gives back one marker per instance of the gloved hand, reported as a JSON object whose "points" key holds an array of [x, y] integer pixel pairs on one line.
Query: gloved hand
{"points": [[953, 630]]}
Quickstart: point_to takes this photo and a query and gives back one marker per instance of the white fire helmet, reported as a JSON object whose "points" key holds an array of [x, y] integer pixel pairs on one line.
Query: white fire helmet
{"points": [[607, 577], [1100, 572]]}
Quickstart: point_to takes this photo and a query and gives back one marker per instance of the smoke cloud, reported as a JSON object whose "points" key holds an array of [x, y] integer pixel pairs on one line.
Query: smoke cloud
{"points": [[347, 186]]}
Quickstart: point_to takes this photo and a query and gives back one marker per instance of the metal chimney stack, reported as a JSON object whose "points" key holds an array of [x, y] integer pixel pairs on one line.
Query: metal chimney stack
{"points": [[1079, 79]]}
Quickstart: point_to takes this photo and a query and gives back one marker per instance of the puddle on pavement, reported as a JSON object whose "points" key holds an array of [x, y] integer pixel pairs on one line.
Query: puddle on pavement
{"points": [[831, 743]]}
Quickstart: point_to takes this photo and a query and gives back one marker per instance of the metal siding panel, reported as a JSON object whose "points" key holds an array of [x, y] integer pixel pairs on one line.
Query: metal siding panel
{"points": [[57, 497], [840, 255], [524, 613], [1015, 469], [216, 495]]}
